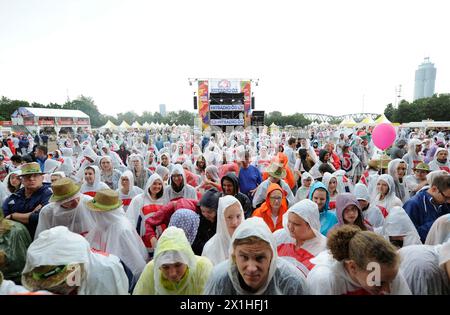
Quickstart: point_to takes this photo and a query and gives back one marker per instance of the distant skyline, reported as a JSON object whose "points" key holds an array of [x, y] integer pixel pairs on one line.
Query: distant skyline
{"points": [[330, 57]]}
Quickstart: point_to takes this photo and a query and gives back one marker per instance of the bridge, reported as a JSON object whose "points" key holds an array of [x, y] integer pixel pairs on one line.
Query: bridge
{"points": [[327, 118]]}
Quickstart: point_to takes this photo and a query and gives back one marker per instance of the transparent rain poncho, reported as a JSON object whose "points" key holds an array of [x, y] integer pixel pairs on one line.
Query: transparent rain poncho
{"points": [[283, 278], [114, 234], [398, 223], [422, 271], [440, 231], [309, 212], [173, 247], [78, 220], [103, 274], [217, 248]]}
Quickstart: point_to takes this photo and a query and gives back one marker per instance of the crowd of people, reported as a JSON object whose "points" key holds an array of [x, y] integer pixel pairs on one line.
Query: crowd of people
{"points": [[310, 211]]}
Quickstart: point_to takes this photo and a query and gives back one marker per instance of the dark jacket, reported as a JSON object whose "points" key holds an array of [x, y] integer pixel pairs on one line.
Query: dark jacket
{"points": [[423, 212], [17, 202], [243, 199], [206, 230]]}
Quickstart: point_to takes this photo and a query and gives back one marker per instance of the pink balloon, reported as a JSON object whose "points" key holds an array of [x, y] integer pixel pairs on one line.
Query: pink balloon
{"points": [[383, 136]]}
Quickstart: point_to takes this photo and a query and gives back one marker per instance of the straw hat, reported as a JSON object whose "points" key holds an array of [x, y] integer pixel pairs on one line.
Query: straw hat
{"points": [[48, 276], [105, 200], [276, 170], [30, 168], [383, 161], [422, 167], [63, 189]]}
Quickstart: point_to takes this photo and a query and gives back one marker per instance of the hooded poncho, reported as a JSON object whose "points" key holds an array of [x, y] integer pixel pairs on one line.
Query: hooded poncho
{"points": [[372, 214], [421, 268], [400, 187], [142, 207], [89, 189], [286, 244], [78, 220], [398, 223], [283, 278], [187, 191], [216, 249], [390, 200], [303, 191], [440, 231], [435, 165], [133, 191], [104, 274], [114, 234], [173, 247], [327, 218]]}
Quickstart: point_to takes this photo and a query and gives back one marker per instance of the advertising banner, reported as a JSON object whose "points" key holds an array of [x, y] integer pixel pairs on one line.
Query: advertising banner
{"points": [[203, 108], [227, 122], [238, 107], [224, 86], [246, 89]]}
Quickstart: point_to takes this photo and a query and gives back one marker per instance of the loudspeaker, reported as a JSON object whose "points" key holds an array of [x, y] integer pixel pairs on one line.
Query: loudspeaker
{"points": [[253, 102], [195, 102]]}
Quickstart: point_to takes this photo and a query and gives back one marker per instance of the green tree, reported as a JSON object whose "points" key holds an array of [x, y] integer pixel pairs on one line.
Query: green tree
{"points": [[389, 112]]}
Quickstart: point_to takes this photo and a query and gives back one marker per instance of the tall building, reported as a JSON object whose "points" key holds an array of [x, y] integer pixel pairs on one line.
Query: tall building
{"points": [[162, 109], [425, 79]]}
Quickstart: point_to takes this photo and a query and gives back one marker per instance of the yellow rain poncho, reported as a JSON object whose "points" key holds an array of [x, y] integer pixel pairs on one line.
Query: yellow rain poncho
{"points": [[174, 247]]}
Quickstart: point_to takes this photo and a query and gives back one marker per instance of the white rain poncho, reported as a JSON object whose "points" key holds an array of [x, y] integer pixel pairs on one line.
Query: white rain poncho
{"points": [[115, 158], [172, 248], [400, 187], [286, 244], [8, 287], [143, 206], [78, 220], [346, 183], [303, 192], [67, 165], [133, 191], [372, 214], [104, 274], [398, 223], [440, 231], [88, 152], [329, 277], [435, 165], [412, 158], [390, 200], [111, 177], [283, 277], [114, 234], [89, 189], [139, 178], [50, 166], [217, 248], [420, 267], [169, 165], [163, 171], [187, 191]]}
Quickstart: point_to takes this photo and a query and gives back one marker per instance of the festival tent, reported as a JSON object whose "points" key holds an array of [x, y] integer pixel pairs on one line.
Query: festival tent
{"points": [[109, 125], [348, 123], [367, 121], [382, 119], [136, 125], [124, 125], [146, 125]]}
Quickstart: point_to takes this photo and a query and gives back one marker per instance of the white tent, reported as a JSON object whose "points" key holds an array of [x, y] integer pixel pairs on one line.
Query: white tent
{"points": [[382, 119], [124, 125], [136, 125], [109, 125], [146, 125]]}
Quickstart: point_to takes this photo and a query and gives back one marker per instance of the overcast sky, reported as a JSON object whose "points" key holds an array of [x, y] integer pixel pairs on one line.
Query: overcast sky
{"points": [[310, 56]]}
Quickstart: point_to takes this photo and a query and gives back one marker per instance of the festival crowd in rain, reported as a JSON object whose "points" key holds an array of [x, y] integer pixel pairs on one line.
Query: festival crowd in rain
{"points": [[315, 210]]}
